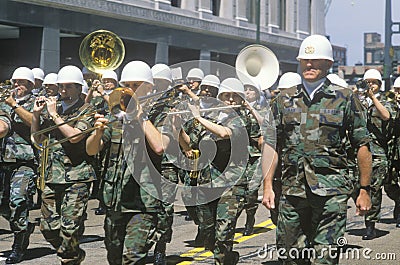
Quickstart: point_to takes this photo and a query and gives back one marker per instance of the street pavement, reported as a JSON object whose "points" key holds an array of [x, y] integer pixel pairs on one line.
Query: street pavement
{"points": [[383, 250]]}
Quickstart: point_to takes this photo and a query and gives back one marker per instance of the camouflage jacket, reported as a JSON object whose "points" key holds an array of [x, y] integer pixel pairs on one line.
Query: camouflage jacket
{"points": [[379, 129], [223, 160], [130, 178], [312, 135], [69, 162], [17, 144]]}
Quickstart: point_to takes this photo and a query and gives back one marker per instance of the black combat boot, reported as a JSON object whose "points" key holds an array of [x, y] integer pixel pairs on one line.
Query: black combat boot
{"points": [[370, 232], [17, 251], [249, 226], [159, 253], [100, 211], [231, 258]]}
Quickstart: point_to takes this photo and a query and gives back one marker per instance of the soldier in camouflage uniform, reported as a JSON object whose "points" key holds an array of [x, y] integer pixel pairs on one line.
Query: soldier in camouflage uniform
{"points": [[379, 113], [311, 122], [69, 171], [221, 184], [163, 104], [18, 165], [253, 114], [129, 190]]}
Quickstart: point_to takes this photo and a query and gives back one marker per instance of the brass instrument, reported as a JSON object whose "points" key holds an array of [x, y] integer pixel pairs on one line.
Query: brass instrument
{"points": [[5, 92], [257, 64], [118, 104], [392, 96], [44, 157], [195, 172], [101, 50]]}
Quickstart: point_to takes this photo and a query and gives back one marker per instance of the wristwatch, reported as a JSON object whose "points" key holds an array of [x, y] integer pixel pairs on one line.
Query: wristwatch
{"points": [[366, 188], [54, 117]]}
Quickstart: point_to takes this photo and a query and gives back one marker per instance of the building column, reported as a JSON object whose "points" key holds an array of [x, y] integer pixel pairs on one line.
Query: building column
{"points": [[226, 9], [50, 50], [205, 61], [163, 4], [317, 17], [273, 18], [241, 13], [290, 18], [303, 19], [188, 4], [205, 9], [263, 13], [161, 52]]}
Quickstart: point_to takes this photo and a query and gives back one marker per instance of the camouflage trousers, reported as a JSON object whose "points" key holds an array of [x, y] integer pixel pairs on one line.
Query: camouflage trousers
{"points": [[189, 195], [312, 227], [22, 188], [166, 217], [63, 208], [129, 236], [229, 207]]}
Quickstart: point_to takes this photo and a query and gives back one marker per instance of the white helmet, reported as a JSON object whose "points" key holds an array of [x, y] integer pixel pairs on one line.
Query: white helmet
{"points": [[253, 84], [161, 71], [23, 73], [335, 79], [38, 73], [70, 74], [136, 71], [231, 85], [195, 74], [397, 82], [372, 74], [289, 79], [210, 80], [50, 79], [315, 47], [110, 74]]}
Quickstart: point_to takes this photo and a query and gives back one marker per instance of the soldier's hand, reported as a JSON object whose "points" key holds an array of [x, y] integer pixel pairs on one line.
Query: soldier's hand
{"points": [[268, 199], [363, 203], [100, 122]]}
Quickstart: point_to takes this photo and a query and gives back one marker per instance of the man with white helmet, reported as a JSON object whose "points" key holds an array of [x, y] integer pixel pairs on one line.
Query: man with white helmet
{"points": [[379, 112], [50, 85], [194, 78], [219, 206], [69, 170], [307, 127], [100, 91], [18, 159], [162, 77], [131, 206], [39, 77]]}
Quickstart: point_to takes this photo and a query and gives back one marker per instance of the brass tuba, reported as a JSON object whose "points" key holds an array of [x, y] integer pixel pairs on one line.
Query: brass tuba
{"points": [[257, 64], [101, 50]]}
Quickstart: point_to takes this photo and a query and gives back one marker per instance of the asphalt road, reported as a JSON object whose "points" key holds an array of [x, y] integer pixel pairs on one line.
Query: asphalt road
{"points": [[383, 250]]}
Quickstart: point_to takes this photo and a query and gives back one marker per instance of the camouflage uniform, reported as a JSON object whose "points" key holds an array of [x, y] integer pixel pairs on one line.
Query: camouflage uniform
{"points": [[315, 178], [18, 171], [379, 133], [253, 171], [67, 179], [131, 208], [167, 169]]}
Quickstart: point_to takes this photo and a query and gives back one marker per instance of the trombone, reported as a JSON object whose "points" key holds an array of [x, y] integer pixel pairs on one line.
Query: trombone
{"points": [[205, 110]]}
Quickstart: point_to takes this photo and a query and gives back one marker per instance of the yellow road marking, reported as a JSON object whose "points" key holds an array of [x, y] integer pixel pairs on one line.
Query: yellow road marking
{"points": [[239, 238]]}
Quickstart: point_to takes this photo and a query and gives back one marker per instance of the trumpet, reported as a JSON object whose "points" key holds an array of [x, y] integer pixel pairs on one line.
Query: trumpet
{"points": [[6, 92], [392, 96]]}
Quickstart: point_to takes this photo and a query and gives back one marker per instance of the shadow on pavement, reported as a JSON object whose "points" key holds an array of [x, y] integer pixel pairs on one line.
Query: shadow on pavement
{"points": [[361, 232], [90, 238], [33, 253]]}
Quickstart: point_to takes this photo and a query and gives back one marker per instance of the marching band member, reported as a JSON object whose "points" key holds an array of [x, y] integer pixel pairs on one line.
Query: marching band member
{"points": [[69, 171], [129, 190], [18, 165], [379, 112], [39, 77], [50, 85]]}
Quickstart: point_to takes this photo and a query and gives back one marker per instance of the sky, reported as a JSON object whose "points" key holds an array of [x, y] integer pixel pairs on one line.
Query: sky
{"points": [[348, 20]]}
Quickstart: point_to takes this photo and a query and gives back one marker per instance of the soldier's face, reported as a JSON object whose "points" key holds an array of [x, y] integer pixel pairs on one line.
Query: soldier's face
{"points": [[109, 83], [231, 98], [313, 70], [251, 93], [374, 84], [22, 87], [69, 92]]}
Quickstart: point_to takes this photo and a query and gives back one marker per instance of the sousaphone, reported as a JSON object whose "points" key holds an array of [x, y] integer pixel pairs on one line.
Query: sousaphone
{"points": [[258, 64]]}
